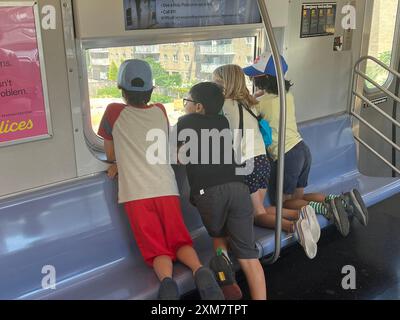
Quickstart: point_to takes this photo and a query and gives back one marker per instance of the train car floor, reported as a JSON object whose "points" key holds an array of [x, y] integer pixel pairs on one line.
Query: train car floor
{"points": [[363, 266]]}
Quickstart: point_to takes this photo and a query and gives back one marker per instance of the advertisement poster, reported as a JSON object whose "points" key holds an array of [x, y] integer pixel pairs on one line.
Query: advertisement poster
{"points": [[23, 113], [155, 14], [318, 19]]}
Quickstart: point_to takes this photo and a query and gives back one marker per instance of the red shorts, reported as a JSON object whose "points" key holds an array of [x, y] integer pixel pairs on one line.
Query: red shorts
{"points": [[158, 226]]}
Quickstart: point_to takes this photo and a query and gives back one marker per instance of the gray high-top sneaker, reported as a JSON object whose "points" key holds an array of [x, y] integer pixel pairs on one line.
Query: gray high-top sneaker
{"points": [[356, 206], [339, 215]]}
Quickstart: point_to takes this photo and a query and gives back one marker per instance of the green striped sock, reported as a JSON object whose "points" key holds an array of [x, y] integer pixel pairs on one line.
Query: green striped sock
{"points": [[320, 208], [333, 196], [330, 197]]}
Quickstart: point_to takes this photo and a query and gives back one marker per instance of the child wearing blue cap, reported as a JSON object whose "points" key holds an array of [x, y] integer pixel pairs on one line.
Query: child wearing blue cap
{"points": [[297, 153], [240, 108], [148, 190]]}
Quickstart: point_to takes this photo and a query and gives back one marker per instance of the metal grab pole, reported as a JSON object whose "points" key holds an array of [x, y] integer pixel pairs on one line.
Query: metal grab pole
{"points": [[282, 129]]}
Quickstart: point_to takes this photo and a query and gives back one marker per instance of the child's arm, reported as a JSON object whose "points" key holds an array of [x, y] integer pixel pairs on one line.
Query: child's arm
{"points": [[112, 170], [109, 149], [259, 93]]}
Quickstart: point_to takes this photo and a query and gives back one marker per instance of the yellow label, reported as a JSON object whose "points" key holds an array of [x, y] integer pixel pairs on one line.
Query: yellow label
{"points": [[221, 276]]}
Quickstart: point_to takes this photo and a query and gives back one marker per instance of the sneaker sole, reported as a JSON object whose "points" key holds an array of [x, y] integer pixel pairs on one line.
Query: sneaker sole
{"points": [[168, 290], [207, 285], [306, 239], [232, 292], [223, 270], [360, 210], [340, 217], [225, 277], [309, 213]]}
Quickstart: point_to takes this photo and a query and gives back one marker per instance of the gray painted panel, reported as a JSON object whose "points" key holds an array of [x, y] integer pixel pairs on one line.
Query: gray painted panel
{"points": [[35, 164], [321, 76]]}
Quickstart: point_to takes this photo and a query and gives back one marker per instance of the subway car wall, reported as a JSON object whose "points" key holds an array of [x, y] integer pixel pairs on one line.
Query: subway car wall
{"points": [[321, 77]]}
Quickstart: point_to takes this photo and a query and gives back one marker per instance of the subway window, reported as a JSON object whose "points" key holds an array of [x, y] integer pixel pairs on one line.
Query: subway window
{"points": [[381, 41], [172, 77]]}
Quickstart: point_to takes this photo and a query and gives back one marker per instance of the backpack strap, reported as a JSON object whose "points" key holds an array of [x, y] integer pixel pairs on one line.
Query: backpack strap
{"points": [[253, 114], [240, 106]]}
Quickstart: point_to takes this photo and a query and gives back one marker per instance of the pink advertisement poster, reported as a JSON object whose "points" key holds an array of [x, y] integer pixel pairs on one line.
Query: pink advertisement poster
{"points": [[23, 114]]}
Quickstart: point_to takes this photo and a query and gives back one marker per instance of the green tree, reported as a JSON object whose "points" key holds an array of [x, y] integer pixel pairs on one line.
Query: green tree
{"points": [[112, 71], [161, 76], [376, 72], [386, 57]]}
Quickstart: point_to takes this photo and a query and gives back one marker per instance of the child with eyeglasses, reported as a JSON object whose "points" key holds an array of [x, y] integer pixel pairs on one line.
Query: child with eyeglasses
{"points": [[220, 195]]}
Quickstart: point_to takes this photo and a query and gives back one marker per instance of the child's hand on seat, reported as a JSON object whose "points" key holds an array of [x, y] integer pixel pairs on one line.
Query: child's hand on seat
{"points": [[112, 171], [258, 93]]}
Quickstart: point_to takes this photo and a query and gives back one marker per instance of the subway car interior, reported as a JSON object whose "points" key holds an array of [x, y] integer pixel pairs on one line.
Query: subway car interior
{"points": [[63, 234]]}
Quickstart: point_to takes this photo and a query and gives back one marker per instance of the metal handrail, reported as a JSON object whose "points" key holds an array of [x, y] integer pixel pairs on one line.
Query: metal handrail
{"points": [[384, 66], [373, 105], [363, 75], [357, 73], [282, 128], [365, 122]]}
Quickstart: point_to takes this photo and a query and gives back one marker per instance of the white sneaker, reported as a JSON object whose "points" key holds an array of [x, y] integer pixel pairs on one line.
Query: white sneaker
{"points": [[303, 235], [308, 213]]}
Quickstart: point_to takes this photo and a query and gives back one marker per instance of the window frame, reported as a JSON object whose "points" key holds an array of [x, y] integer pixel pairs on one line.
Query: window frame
{"points": [[394, 55], [159, 36]]}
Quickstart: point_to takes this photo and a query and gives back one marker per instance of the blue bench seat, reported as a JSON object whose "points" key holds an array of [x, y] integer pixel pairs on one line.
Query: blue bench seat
{"points": [[333, 171]]}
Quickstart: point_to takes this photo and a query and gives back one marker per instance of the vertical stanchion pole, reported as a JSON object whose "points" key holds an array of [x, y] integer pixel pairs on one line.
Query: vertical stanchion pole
{"points": [[282, 129]]}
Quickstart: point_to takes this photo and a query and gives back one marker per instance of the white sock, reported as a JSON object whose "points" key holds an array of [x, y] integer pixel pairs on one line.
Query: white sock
{"points": [[224, 252]]}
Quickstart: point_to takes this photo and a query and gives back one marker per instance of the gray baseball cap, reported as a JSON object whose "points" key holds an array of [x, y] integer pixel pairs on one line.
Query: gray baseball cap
{"points": [[135, 75]]}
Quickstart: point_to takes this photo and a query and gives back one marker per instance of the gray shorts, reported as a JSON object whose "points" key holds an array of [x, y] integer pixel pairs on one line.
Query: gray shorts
{"points": [[226, 211]]}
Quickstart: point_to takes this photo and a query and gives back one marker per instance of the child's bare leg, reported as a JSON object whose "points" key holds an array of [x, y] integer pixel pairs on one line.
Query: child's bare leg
{"points": [[163, 266], [188, 256], [286, 197], [262, 194], [220, 243], [292, 203], [286, 213], [316, 197], [299, 199], [268, 221], [296, 204], [258, 201], [255, 278]]}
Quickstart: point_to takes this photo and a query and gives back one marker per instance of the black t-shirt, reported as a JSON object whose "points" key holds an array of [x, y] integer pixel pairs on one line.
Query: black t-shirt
{"points": [[219, 166]]}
